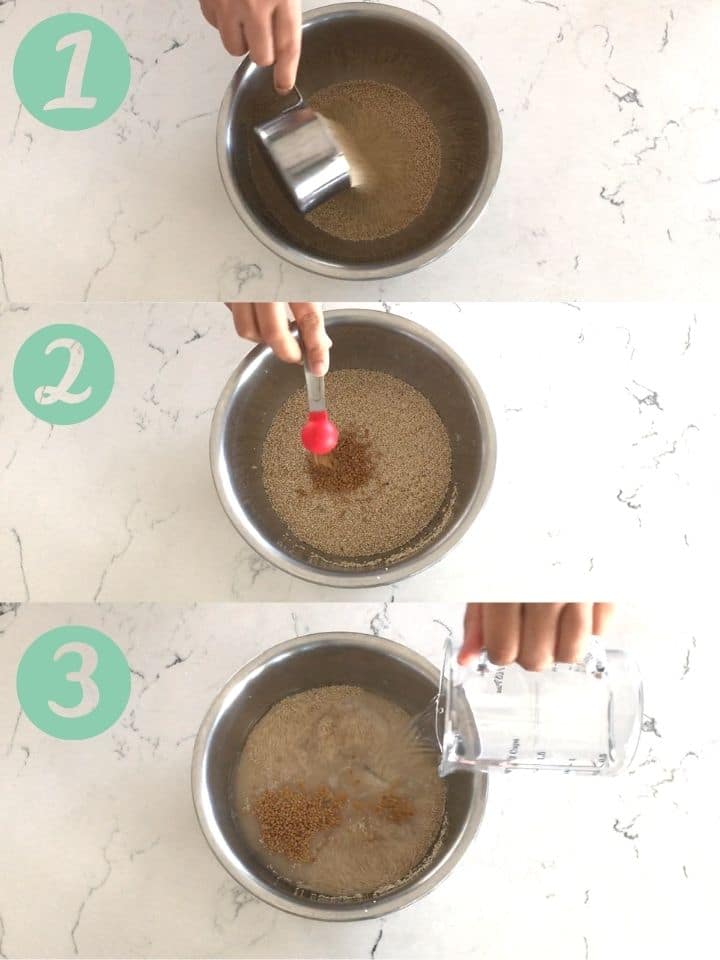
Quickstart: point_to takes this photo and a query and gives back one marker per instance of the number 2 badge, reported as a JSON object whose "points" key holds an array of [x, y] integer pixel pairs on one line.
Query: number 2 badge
{"points": [[63, 374]]}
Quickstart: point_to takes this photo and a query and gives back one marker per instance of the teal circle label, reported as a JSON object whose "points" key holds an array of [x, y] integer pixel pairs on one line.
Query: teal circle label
{"points": [[73, 683], [63, 374], [71, 71]]}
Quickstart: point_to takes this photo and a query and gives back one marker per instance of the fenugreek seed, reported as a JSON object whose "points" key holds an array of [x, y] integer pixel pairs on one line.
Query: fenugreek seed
{"points": [[289, 819]]}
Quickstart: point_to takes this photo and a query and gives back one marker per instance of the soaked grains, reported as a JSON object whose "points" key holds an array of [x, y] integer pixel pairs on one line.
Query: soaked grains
{"points": [[328, 802], [395, 808], [385, 483], [394, 153]]}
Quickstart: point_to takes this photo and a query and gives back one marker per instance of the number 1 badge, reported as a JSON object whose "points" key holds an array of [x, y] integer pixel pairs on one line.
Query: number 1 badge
{"points": [[72, 71]]}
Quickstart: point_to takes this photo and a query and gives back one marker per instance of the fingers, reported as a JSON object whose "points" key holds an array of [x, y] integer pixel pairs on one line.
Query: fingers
{"points": [[539, 630], [232, 33], [269, 323], [536, 635], [275, 331], [270, 30], [473, 632], [576, 625], [287, 32], [602, 616], [317, 343], [245, 321], [258, 25], [208, 11], [502, 626]]}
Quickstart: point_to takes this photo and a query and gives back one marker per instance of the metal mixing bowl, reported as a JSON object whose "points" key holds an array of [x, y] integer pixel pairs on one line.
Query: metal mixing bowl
{"points": [[367, 41], [380, 666], [361, 339]]}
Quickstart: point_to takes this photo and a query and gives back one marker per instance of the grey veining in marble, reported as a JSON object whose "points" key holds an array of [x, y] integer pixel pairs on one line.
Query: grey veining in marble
{"points": [[610, 187]]}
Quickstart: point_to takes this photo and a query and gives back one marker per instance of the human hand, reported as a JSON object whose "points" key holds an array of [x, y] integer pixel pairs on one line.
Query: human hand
{"points": [[270, 30], [269, 323], [536, 635]]}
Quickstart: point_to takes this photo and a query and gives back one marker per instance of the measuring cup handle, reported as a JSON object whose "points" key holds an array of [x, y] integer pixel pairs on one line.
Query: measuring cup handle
{"points": [[294, 106]]}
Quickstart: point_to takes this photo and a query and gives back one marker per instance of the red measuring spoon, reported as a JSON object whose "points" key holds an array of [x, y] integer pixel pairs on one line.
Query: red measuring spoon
{"points": [[319, 435]]}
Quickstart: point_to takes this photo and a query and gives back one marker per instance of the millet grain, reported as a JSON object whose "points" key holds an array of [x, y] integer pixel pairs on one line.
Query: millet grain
{"points": [[383, 486], [394, 153]]}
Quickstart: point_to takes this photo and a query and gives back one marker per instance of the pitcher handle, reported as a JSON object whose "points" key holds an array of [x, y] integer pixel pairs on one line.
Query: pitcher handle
{"points": [[594, 662]]}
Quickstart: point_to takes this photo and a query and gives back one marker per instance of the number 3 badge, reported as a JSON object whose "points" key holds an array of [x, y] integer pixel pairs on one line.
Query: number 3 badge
{"points": [[73, 683], [63, 374], [72, 72]]}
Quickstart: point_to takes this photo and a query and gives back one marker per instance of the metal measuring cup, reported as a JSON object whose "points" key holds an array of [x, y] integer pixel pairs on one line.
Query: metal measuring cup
{"points": [[308, 159]]}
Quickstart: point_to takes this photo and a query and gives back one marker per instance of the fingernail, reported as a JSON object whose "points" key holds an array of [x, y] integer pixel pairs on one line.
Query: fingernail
{"points": [[319, 369]]}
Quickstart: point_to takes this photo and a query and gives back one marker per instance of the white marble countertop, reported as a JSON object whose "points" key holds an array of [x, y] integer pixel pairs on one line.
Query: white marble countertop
{"points": [[607, 423], [101, 856], [610, 187]]}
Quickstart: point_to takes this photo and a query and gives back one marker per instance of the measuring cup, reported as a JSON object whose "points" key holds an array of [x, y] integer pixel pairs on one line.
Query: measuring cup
{"points": [[573, 718], [306, 156]]}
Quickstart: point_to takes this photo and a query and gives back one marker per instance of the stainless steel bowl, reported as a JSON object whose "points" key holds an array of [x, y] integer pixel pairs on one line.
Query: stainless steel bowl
{"points": [[378, 665], [361, 339], [367, 41]]}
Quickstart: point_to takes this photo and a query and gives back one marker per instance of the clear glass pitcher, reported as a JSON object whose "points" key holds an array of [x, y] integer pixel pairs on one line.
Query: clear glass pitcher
{"points": [[572, 718]]}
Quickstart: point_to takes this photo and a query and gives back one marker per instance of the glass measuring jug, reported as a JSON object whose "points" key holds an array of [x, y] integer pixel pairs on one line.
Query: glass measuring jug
{"points": [[572, 718]]}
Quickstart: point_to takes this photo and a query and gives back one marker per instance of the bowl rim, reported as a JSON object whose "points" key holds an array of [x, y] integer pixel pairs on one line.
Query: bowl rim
{"points": [[397, 266], [351, 578], [309, 909]]}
